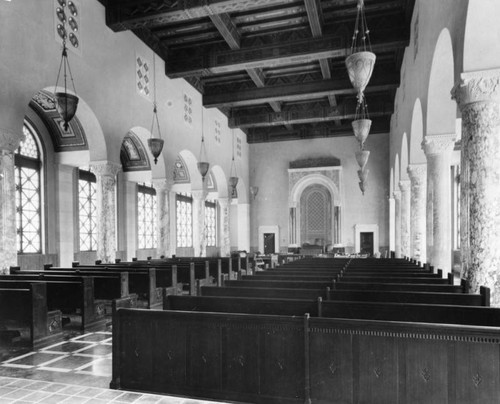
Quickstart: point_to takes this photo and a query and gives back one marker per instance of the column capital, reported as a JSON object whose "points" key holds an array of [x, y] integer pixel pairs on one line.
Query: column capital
{"points": [[105, 168], [163, 184], [9, 141], [199, 194], [397, 194], [479, 86], [438, 144], [417, 172], [223, 202], [404, 185]]}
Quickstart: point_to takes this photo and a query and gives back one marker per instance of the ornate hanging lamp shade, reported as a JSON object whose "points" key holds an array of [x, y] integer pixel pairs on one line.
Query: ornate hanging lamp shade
{"points": [[203, 164], [66, 106], [362, 186], [361, 61], [361, 128], [233, 182], [362, 158], [155, 144], [203, 167]]}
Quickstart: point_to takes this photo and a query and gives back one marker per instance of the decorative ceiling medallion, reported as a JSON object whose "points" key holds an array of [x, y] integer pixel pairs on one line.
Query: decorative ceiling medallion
{"points": [[133, 155], [143, 76], [44, 104], [68, 12], [181, 174]]}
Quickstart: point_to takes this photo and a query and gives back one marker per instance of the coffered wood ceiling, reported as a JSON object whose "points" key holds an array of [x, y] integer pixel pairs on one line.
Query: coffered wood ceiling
{"points": [[274, 67]]}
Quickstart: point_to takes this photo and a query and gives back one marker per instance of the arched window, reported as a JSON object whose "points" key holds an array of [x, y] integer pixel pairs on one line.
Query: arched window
{"points": [[146, 216], [87, 204], [184, 220], [28, 167]]}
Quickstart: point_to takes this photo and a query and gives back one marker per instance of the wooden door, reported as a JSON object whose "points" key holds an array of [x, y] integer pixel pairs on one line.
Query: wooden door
{"points": [[366, 243], [269, 243]]}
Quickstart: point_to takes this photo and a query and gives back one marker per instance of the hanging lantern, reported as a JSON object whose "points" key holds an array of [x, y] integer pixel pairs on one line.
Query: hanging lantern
{"points": [[363, 174], [360, 68], [203, 167], [66, 106], [254, 191], [362, 186], [233, 179], [361, 128], [156, 146], [361, 60], [233, 182], [203, 164], [362, 157]]}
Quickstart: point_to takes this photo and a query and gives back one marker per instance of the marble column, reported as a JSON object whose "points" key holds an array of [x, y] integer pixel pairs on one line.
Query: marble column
{"points": [[199, 239], [225, 241], [438, 150], [8, 245], [397, 224], [105, 173], [418, 179], [163, 246], [404, 186], [478, 97]]}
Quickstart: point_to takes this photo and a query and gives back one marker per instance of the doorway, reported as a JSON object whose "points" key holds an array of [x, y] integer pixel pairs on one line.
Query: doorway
{"points": [[269, 243], [366, 243]]}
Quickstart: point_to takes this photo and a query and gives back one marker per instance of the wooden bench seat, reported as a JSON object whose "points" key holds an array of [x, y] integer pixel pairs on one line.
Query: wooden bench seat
{"points": [[281, 284], [342, 284], [395, 279], [290, 293]]}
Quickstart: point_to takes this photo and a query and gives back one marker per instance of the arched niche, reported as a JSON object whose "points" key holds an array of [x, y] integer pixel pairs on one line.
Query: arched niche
{"points": [[441, 109], [314, 182], [403, 175], [417, 155], [482, 36], [134, 157], [193, 178], [220, 180]]}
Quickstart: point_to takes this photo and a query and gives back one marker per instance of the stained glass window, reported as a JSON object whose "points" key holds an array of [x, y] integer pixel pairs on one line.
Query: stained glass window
{"points": [[87, 203], [210, 223], [28, 167], [146, 217], [184, 220]]}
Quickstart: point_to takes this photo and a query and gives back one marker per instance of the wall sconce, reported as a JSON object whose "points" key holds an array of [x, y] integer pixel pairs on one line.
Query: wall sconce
{"points": [[254, 191]]}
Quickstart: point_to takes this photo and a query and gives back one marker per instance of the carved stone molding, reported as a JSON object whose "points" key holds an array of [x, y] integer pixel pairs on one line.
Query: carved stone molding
{"points": [[438, 144], [480, 86], [480, 118], [404, 185], [9, 141], [105, 169], [163, 184], [397, 195]]}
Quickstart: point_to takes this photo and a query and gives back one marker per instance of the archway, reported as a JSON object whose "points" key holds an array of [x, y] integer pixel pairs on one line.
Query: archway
{"points": [[417, 155]]}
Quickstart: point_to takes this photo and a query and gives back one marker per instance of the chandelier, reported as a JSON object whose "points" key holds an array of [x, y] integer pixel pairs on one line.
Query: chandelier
{"points": [[203, 164], [66, 103], [155, 144], [233, 178]]}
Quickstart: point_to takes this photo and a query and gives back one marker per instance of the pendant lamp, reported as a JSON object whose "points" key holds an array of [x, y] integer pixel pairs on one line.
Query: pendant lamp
{"points": [[155, 144], [233, 178], [203, 164]]}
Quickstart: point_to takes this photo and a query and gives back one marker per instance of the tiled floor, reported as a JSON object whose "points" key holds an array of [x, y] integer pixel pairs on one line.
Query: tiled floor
{"points": [[76, 370]]}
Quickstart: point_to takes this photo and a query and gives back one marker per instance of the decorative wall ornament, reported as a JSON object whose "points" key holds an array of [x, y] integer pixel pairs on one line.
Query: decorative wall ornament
{"points": [[133, 155], [181, 173], [143, 76], [68, 24]]}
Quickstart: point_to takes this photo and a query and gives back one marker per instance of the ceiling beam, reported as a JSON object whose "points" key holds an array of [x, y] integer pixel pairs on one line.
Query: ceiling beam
{"points": [[386, 79], [280, 54], [380, 105], [124, 15], [227, 29], [279, 133]]}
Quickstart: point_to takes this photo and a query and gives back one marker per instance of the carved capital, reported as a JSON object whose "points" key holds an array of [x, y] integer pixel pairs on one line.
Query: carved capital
{"points": [[404, 186], [417, 172], [163, 184], [223, 202], [10, 141], [199, 194], [397, 195], [438, 144], [480, 86], [105, 168]]}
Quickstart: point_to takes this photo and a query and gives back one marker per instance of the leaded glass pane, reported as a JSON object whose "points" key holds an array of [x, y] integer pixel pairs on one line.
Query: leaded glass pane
{"points": [[87, 202], [210, 224], [146, 218], [28, 196], [184, 219]]}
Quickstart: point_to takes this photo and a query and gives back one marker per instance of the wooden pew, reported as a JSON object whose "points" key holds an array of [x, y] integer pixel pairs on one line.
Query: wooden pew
{"points": [[395, 279], [281, 284], [281, 293], [23, 305], [71, 294]]}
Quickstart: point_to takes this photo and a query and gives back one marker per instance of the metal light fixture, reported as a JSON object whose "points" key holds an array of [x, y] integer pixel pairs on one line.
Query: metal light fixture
{"points": [[361, 60], [362, 124], [155, 144], [254, 191], [233, 178], [362, 159], [66, 104], [203, 164]]}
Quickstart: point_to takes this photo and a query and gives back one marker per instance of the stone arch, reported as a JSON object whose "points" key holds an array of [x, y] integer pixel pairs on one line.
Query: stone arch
{"points": [[190, 162], [220, 180], [441, 109], [482, 36], [417, 155], [403, 175]]}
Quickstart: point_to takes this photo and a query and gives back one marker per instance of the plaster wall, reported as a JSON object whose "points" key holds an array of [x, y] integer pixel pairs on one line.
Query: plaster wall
{"points": [[269, 163]]}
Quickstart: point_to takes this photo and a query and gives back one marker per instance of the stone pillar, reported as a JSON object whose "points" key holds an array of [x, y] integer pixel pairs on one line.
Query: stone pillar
{"points": [[438, 150], [199, 239], [105, 173], [397, 223], [225, 241], [404, 186], [478, 97], [163, 234], [418, 179], [8, 244]]}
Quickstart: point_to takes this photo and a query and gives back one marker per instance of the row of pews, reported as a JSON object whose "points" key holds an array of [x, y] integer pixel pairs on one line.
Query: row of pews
{"points": [[35, 306], [317, 331]]}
